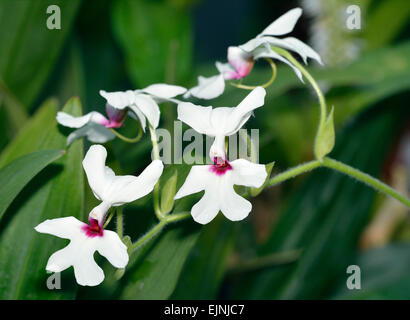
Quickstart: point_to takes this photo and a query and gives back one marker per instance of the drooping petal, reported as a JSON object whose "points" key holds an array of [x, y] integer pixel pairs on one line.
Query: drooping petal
{"points": [[252, 44], [148, 107], [70, 121], [295, 45], [119, 99], [198, 178], [254, 100], [246, 173], [208, 88], [94, 167], [62, 259], [93, 132], [284, 24], [111, 247], [117, 190], [233, 206], [165, 91], [66, 228], [124, 189], [197, 117], [206, 209], [86, 270]]}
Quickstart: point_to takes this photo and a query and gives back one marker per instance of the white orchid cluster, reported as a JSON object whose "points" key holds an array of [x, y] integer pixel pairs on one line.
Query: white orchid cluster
{"points": [[217, 180]]}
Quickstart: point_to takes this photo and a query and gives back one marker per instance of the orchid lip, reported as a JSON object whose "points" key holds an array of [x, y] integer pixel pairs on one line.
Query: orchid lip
{"points": [[93, 229]]}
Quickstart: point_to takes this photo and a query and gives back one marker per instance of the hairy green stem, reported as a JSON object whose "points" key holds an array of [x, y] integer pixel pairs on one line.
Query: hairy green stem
{"points": [[275, 259], [343, 168], [365, 178], [293, 172]]}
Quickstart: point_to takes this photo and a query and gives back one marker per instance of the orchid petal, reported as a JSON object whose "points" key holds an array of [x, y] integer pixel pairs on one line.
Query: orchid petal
{"points": [[197, 117], [284, 24], [206, 209], [164, 91], [254, 100], [233, 206], [70, 121], [86, 270], [197, 179], [61, 259], [118, 190], [124, 189], [208, 88], [66, 228], [94, 133], [295, 45], [111, 247], [246, 173], [119, 99], [148, 107], [94, 167]]}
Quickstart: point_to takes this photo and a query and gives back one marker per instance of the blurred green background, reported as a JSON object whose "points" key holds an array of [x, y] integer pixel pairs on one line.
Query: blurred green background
{"points": [[302, 235]]}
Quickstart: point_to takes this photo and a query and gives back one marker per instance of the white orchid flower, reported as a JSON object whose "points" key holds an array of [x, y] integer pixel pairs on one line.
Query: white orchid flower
{"points": [[220, 122], [241, 58], [139, 104], [115, 190], [218, 180], [260, 46], [93, 125], [84, 241], [143, 103], [84, 238]]}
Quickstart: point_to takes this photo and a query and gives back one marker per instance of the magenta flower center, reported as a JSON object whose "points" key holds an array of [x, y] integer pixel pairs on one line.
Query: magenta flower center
{"points": [[220, 167], [116, 117], [93, 229]]}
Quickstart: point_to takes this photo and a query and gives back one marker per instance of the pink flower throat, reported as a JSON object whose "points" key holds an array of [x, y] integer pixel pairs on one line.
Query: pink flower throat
{"points": [[220, 167], [93, 229]]}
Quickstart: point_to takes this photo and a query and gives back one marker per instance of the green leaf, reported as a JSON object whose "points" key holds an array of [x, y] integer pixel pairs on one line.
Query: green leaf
{"points": [[168, 193], [157, 269], [268, 168], [203, 272], [325, 139], [18, 173], [35, 131], [376, 34], [29, 49], [56, 192], [385, 274], [155, 51]]}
